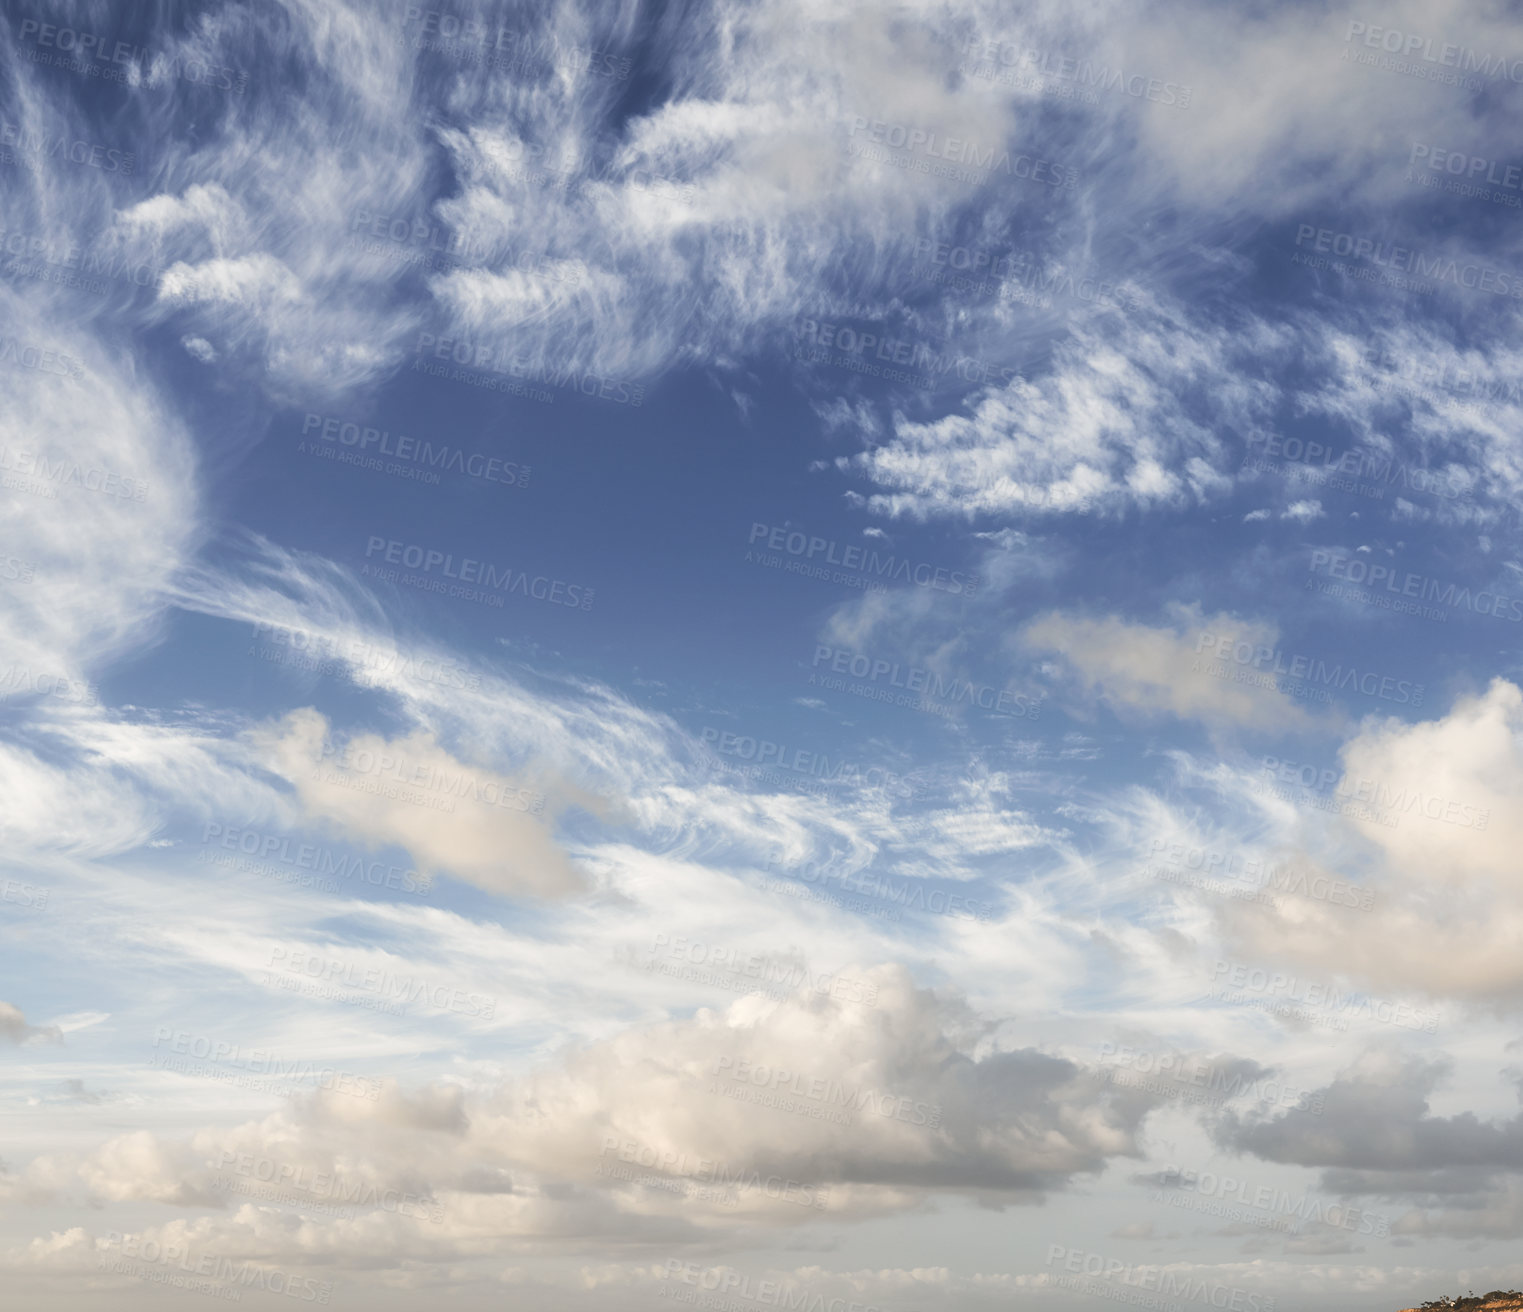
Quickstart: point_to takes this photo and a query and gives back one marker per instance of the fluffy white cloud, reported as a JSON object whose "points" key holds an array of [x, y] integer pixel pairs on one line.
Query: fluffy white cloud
{"points": [[1434, 803], [455, 818], [1173, 671], [781, 1112], [886, 1098]]}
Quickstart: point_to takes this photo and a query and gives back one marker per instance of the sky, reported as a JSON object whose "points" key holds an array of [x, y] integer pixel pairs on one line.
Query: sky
{"points": [[782, 654]]}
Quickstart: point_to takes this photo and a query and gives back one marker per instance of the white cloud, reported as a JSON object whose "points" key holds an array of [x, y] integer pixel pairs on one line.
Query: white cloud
{"points": [[14, 1028], [792, 1111], [1447, 919], [102, 490], [1170, 671], [455, 818], [1128, 415]]}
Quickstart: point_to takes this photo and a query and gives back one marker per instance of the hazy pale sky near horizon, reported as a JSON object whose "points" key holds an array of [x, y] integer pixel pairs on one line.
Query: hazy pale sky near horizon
{"points": [[772, 655]]}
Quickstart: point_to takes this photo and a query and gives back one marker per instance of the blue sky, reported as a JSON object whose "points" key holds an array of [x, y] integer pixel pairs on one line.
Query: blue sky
{"points": [[818, 654]]}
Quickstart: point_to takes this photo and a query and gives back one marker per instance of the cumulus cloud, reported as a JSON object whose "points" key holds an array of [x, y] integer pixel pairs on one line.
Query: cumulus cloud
{"points": [[914, 1110], [770, 1111], [1171, 671], [362, 190], [1432, 805], [14, 1027], [1374, 1117], [455, 818]]}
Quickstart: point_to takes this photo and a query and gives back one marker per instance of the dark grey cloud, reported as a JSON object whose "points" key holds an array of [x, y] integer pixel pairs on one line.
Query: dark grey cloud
{"points": [[1375, 1120]]}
